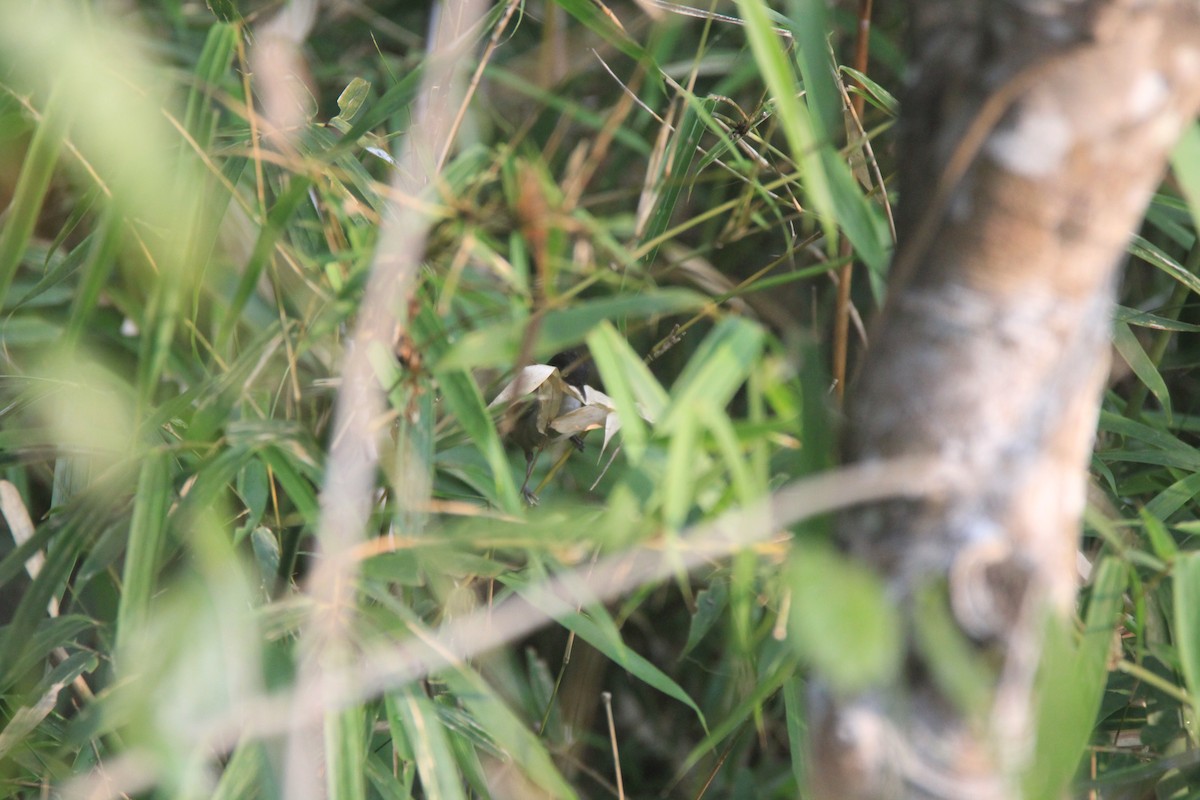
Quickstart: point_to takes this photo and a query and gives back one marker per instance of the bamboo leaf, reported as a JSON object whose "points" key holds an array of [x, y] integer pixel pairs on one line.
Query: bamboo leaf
{"points": [[1186, 629], [794, 115], [683, 461], [809, 28], [634, 390], [1161, 541], [1174, 497], [346, 751], [498, 345], [828, 182], [670, 181], [245, 774], [101, 255], [1146, 370], [32, 608], [511, 735], [350, 102], [25, 720], [715, 372], [606, 638], [879, 95], [30, 192], [841, 622], [1185, 160], [710, 604], [464, 401], [600, 20], [413, 715], [1072, 681], [217, 54], [1154, 255], [797, 728], [268, 236], [147, 532]]}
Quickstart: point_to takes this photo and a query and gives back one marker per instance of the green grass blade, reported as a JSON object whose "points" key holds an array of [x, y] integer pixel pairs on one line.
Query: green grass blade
{"points": [[147, 533], [101, 257], [684, 461], [1153, 255], [246, 775], [828, 181], [346, 751], [674, 172], [30, 191], [797, 728], [1179, 451], [1145, 369], [23, 723], [842, 623], [1174, 497], [464, 402], [498, 345], [410, 711], [1161, 541], [52, 633], [215, 57], [60, 560], [509, 733], [268, 236], [296, 485], [1185, 161], [629, 383], [716, 421], [745, 712], [809, 28], [794, 116], [1072, 684], [711, 603], [593, 18], [878, 95], [862, 222], [714, 373], [599, 630], [1186, 628]]}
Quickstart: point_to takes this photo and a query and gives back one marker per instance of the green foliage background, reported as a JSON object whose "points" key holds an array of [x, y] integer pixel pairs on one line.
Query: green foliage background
{"points": [[176, 294]]}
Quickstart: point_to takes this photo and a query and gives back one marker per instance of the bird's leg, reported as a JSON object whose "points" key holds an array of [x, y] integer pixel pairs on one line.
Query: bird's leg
{"points": [[526, 492]]}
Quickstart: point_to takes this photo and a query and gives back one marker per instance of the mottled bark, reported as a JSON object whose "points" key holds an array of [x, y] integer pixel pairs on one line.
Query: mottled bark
{"points": [[1034, 132]]}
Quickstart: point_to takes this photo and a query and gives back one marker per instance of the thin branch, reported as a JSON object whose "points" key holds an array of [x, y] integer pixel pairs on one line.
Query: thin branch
{"points": [[492, 44], [384, 667], [347, 494]]}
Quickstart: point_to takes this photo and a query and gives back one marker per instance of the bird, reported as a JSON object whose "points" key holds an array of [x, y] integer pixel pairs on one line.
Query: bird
{"points": [[531, 431]]}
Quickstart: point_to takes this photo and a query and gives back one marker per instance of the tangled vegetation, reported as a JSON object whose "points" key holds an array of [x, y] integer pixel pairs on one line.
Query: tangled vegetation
{"points": [[697, 206]]}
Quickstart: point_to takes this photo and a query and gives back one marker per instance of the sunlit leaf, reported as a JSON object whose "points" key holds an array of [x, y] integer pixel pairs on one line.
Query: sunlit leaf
{"points": [[841, 622]]}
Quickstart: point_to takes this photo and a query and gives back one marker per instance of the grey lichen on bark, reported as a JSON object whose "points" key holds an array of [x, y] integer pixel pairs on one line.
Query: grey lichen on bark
{"points": [[1033, 135]]}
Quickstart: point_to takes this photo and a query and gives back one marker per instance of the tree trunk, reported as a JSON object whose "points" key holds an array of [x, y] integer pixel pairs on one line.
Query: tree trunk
{"points": [[1034, 132]]}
